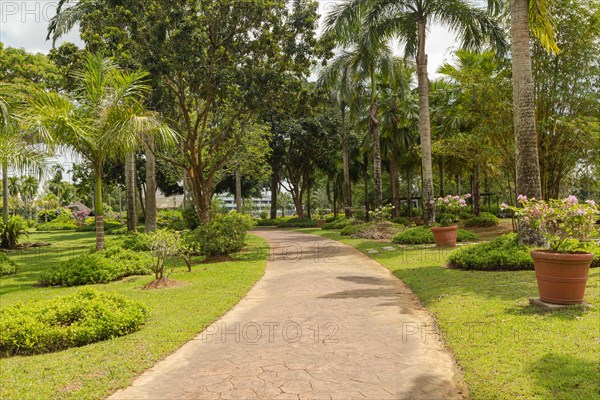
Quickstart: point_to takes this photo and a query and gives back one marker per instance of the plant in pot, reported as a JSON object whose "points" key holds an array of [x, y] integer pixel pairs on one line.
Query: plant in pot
{"points": [[561, 268], [445, 230], [321, 220]]}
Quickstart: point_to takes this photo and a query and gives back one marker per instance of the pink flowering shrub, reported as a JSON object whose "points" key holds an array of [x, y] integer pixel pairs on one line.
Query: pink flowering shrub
{"points": [[452, 204], [560, 221]]}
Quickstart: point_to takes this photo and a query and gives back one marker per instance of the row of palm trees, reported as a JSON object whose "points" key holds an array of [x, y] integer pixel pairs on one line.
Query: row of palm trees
{"points": [[364, 29]]}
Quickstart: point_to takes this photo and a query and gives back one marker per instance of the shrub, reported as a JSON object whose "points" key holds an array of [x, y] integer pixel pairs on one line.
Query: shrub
{"points": [[339, 224], [402, 221], [51, 215], [136, 241], [377, 230], [164, 245], [267, 222], [502, 253], [359, 214], [61, 223], [190, 217], [485, 219], [465, 215], [264, 215], [224, 234], [171, 219], [298, 223], [85, 317], [423, 235], [109, 224], [104, 266], [7, 266], [11, 231]]}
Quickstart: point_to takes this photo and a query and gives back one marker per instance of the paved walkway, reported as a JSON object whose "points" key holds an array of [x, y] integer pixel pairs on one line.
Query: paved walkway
{"points": [[325, 322]]}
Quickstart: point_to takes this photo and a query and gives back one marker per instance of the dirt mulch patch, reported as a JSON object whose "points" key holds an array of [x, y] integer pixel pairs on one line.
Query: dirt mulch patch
{"points": [[489, 233], [163, 283]]}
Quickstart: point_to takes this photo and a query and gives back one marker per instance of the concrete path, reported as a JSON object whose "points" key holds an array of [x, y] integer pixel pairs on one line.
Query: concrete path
{"points": [[325, 322]]}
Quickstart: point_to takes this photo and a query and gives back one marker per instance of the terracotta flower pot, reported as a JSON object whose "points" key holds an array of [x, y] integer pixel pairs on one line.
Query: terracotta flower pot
{"points": [[320, 223], [561, 278], [445, 236]]}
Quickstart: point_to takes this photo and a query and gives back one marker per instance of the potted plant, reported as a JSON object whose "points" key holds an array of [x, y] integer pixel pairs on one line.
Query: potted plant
{"points": [[321, 220], [561, 267], [444, 232]]}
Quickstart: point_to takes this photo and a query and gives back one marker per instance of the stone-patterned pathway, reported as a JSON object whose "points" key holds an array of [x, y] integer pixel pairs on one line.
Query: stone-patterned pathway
{"points": [[325, 322]]}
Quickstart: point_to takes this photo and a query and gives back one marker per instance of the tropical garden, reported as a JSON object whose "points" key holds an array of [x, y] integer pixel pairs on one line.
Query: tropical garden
{"points": [[468, 182]]}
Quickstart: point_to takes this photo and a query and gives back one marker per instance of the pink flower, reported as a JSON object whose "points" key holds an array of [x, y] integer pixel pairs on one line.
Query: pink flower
{"points": [[591, 203], [571, 199], [456, 197], [468, 196], [431, 202], [521, 198], [503, 206], [447, 201], [440, 199], [580, 212]]}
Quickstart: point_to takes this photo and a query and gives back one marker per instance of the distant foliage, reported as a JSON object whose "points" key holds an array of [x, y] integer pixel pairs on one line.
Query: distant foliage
{"points": [[104, 266], [298, 223], [485, 219], [85, 317], [423, 235], [109, 224]]}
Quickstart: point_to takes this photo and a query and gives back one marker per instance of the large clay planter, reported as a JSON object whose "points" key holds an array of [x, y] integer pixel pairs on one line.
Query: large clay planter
{"points": [[561, 278], [320, 223], [445, 236]]}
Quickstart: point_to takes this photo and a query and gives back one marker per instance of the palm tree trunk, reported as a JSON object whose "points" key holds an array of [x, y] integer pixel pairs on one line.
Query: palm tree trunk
{"points": [[476, 190], [394, 183], [425, 128], [99, 209], [527, 159], [274, 187], [346, 166], [409, 198], [151, 212], [366, 178], [130, 191], [374, 127], [238, 192], [5, 191], [442, 180]]}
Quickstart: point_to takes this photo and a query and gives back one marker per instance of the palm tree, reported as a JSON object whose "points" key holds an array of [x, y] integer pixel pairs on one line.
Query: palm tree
{"points": [[101, 121], [408, 20]]}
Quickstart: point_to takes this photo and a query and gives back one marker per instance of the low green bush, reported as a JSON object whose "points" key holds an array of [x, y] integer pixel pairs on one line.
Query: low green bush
{"points": [[7, 266], [350, 230], [12, 231], [298, 223], [190, 217], [104, 266], [85, 317], [502, 253], [224, 234], [423, 235], [44, 216], [484, 220], [136, 241], [60, 223], [339, 224], [109, 224], [402, 221], [267, 222], [464, 215], [171, 219]]}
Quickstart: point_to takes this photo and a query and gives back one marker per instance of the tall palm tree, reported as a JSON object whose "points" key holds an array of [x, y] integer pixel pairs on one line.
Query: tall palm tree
{"points": [[408, 21], [100, 121]]}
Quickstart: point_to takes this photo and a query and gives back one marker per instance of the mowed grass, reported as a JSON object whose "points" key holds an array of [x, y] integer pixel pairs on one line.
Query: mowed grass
{"points": [[177, 314], [506, 347]]}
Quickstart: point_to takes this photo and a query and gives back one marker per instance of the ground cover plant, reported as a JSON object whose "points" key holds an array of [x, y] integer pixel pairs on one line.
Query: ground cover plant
{"points": [[98, 369], [507, 348], [423, 235], [7, 266], [75, 320]]}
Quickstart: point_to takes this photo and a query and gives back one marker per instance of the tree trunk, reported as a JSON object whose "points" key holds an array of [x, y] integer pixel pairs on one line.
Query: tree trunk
{"points": [[308, 198], [366, 178], [374, 128], [5, 191], [425, 128], [346, 166], [150, 221], [130, 192], [394, 183], [442, 180], [476, 191], [458, 188], [238, 192], [274, 188], [99, 209], [526, 156], [409, 188]]}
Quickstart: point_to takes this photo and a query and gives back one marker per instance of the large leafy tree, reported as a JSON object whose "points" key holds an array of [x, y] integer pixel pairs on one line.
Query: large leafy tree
{"points": [[408, 21], [102, 118], [214, 67]]}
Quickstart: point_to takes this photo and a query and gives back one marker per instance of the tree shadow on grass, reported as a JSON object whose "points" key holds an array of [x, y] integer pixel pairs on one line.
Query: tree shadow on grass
{"points": [[571, 313], [561, 376]]}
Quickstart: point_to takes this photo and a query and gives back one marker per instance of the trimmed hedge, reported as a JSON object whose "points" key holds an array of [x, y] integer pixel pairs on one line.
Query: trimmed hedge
{"points": [[298, 223], [484, 220], [85, 317], [7, 266], [503, 253], [423, 235], [104, 266], [109, 224]]}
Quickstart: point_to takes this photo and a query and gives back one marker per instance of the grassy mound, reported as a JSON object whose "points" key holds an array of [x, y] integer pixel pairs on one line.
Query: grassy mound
{"points": [[86, 317], [7, 266]]}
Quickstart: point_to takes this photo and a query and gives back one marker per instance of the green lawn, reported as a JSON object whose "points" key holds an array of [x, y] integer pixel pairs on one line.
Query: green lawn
{"points": [[506, 347], [176, 316]]}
